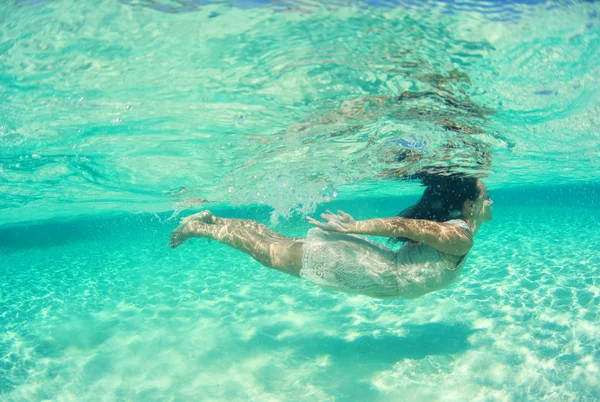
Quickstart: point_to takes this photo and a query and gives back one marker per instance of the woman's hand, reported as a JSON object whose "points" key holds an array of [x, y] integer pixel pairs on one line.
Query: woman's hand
{"points": [[340, 222]]}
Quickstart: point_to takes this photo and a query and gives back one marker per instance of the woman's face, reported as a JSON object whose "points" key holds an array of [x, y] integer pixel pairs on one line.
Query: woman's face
{"points": [[483, 205]]}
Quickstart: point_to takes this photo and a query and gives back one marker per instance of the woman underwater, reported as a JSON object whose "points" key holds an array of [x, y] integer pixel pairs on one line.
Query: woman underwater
{"points": [[437, 233]]}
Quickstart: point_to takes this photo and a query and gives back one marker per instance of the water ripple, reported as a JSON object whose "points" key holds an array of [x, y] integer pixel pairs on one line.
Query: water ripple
{"points": [[123, 105]]}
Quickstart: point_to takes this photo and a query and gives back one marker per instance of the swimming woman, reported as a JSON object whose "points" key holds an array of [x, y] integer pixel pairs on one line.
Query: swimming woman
{"points": [[437, 233]]}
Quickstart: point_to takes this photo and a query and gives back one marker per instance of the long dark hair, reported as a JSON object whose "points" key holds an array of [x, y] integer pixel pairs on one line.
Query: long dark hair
{"points": [[443, 199]]}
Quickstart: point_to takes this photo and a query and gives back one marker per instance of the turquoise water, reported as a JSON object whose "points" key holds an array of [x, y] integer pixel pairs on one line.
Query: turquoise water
{"points": [[101, 310], [118, 117]]}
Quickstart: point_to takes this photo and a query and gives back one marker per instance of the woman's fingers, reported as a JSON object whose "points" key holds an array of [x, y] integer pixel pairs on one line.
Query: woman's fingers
{"points": [[345, 215], [341, 215], [333, 222], [312, 221], [328, 217], [332, 227], [316, 223]]}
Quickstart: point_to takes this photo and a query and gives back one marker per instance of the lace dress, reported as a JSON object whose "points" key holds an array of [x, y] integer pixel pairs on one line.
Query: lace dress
{"points": [[354, 264]]}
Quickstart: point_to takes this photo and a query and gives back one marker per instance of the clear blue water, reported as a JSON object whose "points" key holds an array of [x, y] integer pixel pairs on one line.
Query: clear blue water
{"points": [[118, 117]]}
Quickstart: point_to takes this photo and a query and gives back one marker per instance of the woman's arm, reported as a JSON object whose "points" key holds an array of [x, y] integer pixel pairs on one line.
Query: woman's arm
{"points": [[449, 239]]}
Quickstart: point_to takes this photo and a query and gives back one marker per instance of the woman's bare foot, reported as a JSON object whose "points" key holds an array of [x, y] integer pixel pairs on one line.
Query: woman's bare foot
{"points": [[190, 228]]}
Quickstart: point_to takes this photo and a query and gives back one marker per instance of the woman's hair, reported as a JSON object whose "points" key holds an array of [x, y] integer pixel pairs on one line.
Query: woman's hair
{"points": [[442, 200]]}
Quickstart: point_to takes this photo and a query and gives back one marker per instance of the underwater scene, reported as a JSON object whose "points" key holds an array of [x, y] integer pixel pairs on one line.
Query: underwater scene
{"points": [[119, 119]]}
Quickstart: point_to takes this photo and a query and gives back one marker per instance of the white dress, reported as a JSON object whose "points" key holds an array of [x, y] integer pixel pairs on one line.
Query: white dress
{"points": [[354, 264]]}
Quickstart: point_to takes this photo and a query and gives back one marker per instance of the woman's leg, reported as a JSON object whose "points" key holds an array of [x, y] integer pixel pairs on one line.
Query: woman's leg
{"points": [[271, 249]]}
